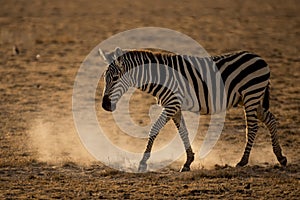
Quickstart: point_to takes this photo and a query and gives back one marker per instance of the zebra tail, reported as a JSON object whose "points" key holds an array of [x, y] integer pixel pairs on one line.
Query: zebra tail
{"points": [[266, 100]]}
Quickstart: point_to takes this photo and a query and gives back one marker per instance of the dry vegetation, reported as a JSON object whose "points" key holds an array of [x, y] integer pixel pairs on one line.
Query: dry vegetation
{"points": [[40, 154]]}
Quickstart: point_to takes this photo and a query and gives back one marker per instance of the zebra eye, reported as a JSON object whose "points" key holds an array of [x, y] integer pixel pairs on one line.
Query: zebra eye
{"points": [[115, 78]]}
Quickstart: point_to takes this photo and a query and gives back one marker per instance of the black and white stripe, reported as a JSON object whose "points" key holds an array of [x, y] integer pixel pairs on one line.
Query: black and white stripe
{"points": [[207, 85]]}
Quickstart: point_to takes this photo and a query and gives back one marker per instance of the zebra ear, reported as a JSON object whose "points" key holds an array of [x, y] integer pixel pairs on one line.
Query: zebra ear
{"points": [[106, 56], [118, 52]]}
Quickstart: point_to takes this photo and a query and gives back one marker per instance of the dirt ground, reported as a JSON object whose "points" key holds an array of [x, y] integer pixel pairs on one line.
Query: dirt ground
{"points": [[40, 153]]}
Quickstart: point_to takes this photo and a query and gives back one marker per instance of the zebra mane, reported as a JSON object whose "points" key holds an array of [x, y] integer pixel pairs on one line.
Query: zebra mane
{"points": [[154, 51]]}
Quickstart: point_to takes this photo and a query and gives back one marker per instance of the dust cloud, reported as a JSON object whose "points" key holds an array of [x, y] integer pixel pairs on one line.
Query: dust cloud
{"points": [[56, 142], [230, 147]]}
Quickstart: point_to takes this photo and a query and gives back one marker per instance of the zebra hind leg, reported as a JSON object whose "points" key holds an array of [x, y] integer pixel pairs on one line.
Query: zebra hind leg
{"points": [[180, 124], [269, 120], [159, 124], [251, 130]]}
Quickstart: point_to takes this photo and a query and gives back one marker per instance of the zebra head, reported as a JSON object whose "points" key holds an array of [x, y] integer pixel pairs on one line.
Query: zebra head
{"points": [[115, 78]]}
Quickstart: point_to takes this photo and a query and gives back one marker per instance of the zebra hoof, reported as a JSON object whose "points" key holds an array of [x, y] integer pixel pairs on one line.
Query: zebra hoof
{"points": [[185, 169], [241, 164], [142, 168], [283, 161]]}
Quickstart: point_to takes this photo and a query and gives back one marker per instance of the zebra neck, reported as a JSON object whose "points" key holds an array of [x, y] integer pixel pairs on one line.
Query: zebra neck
{"points": [[144, 69]]}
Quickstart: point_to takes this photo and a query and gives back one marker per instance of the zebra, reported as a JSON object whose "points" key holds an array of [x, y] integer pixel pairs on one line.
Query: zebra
{"points": [[245, 76]]}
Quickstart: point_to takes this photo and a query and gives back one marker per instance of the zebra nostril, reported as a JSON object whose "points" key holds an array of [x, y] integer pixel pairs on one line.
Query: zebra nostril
{"points": [[106, 103], [106, 98]]}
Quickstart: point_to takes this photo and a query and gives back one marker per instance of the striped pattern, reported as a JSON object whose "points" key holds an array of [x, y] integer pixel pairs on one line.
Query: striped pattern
{"points": [[206, 85]]}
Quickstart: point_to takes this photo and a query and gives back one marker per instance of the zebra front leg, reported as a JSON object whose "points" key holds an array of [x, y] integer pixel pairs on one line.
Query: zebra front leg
{"points": [[180, 124], [251, 130], [269, 120], [159, 124]]}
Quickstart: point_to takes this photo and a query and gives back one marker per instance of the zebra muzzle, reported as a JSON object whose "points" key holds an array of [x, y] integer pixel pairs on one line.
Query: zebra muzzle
{"points": [[107, 105]]}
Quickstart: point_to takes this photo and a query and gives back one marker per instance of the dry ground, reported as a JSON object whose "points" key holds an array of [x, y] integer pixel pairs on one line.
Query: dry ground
{"points": [[40, 155]]}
